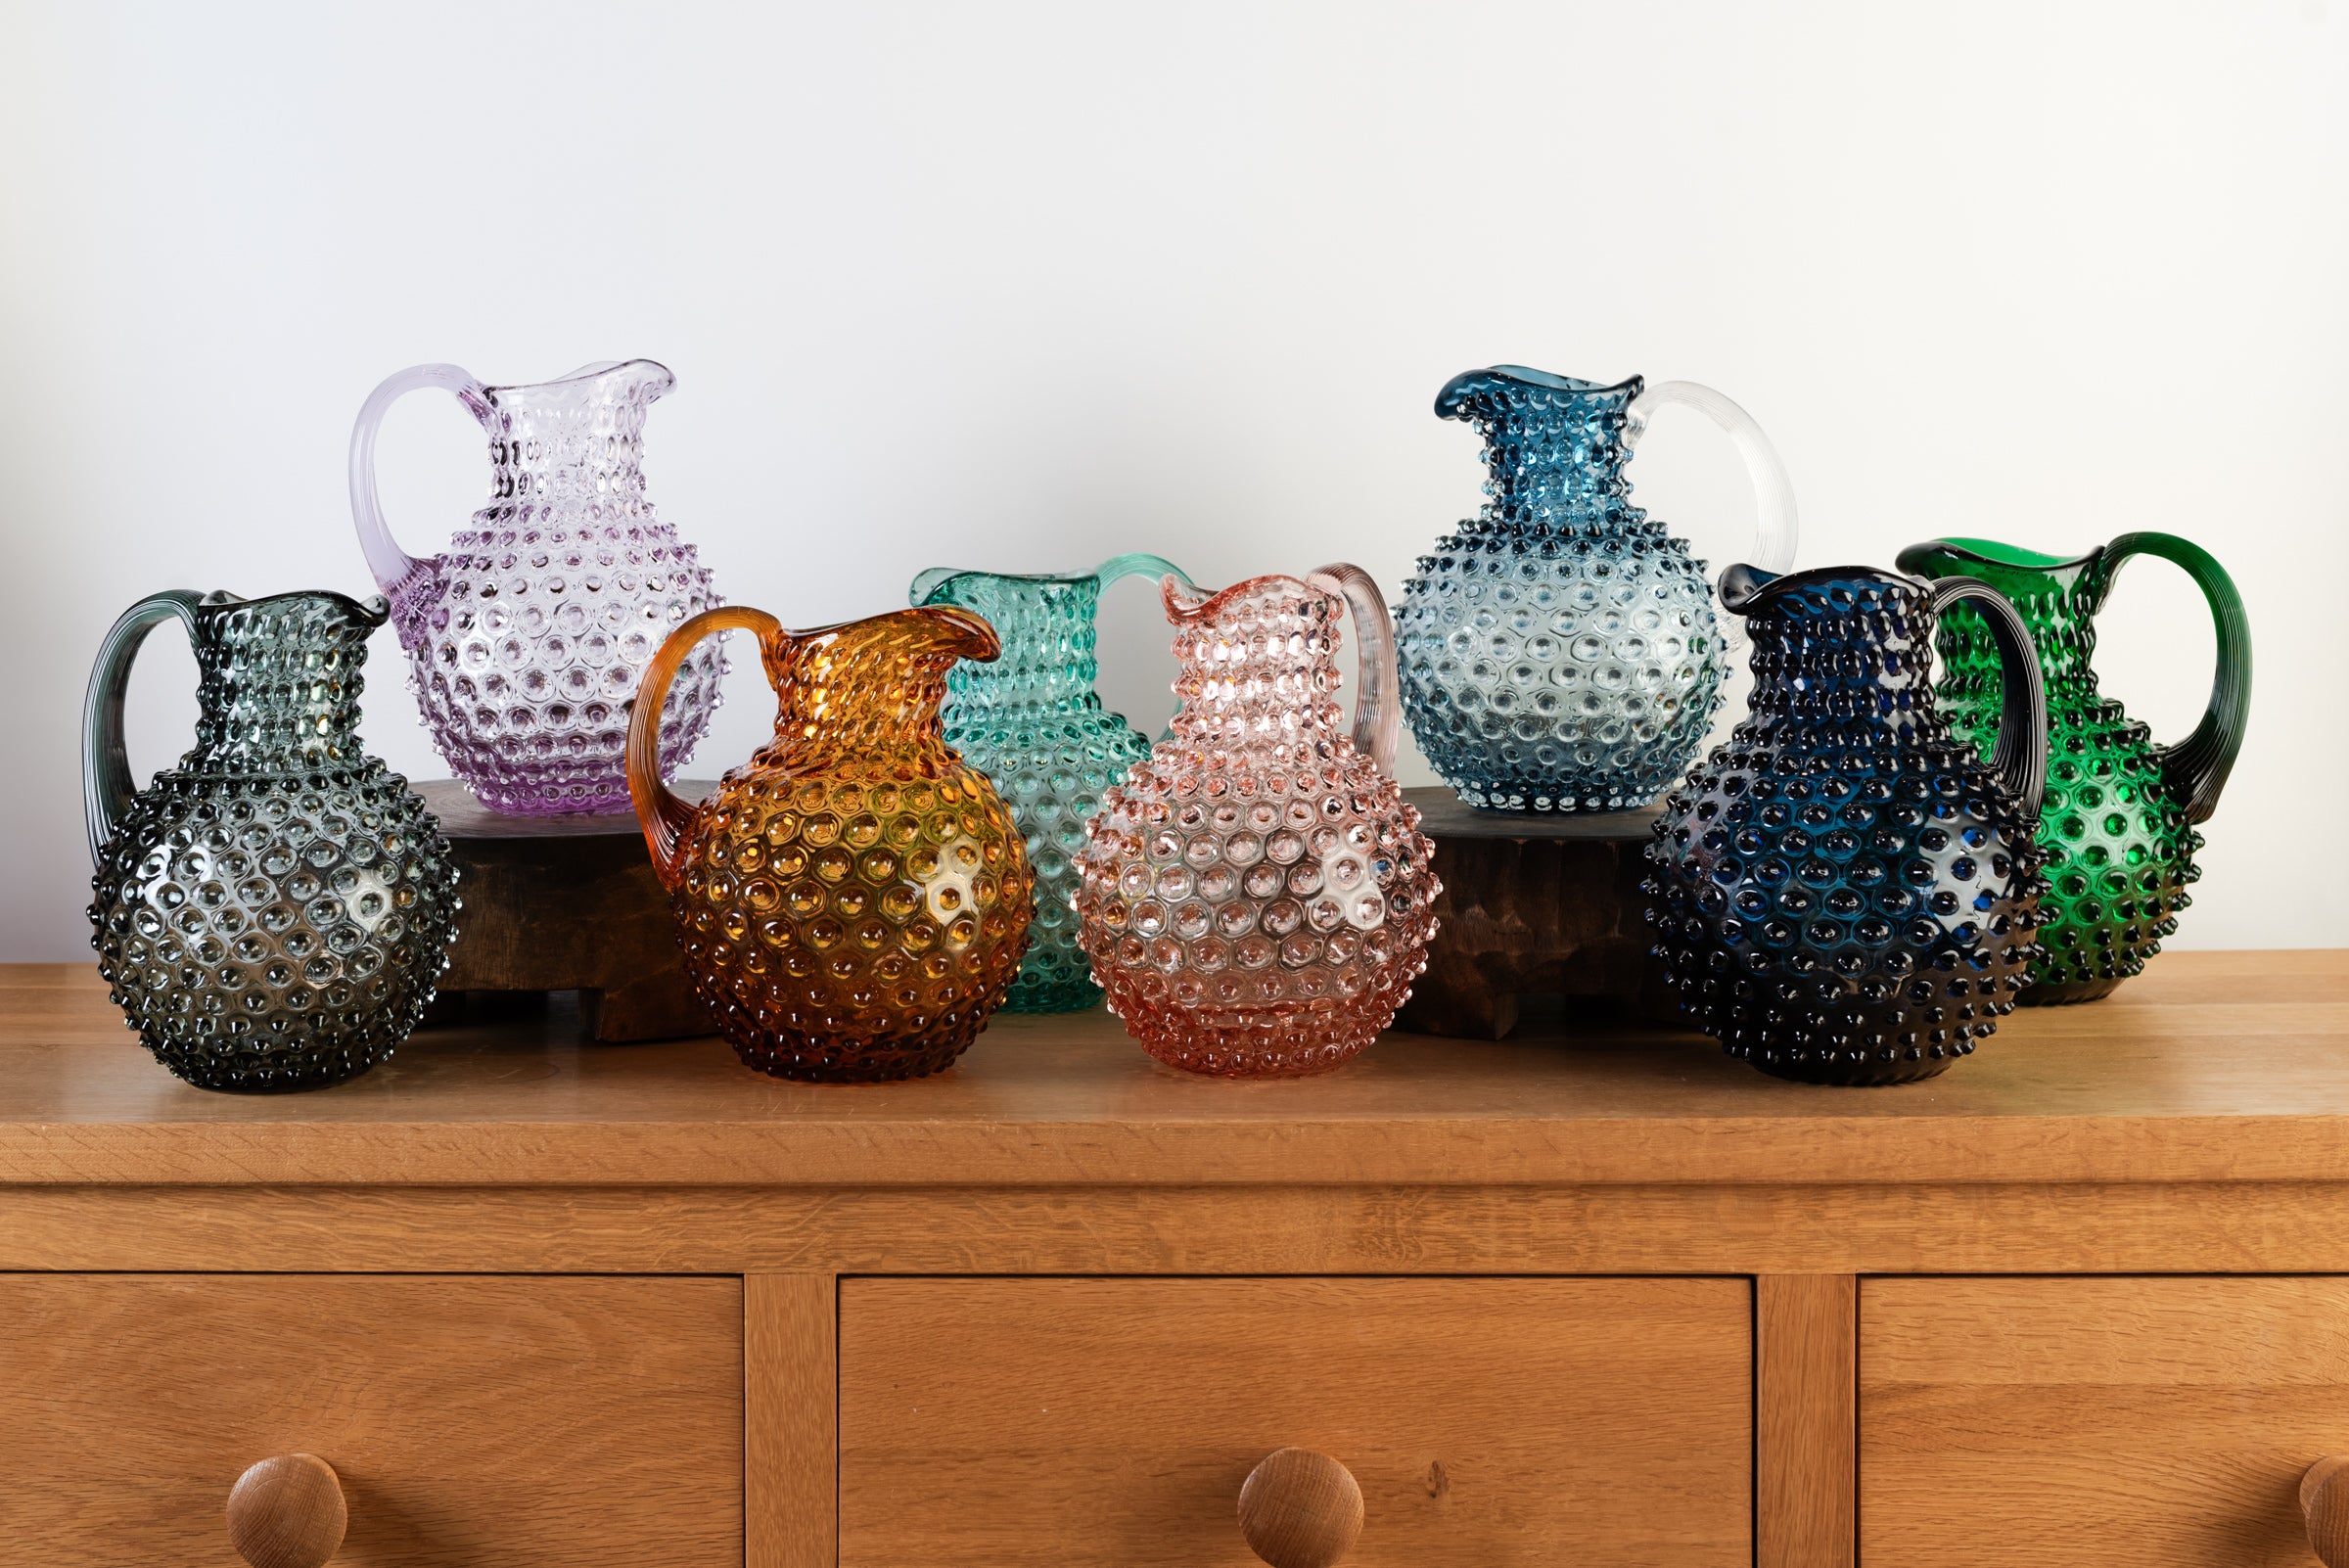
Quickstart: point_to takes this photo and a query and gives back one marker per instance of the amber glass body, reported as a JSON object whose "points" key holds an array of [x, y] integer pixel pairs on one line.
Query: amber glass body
{"points": [[854, 901]]}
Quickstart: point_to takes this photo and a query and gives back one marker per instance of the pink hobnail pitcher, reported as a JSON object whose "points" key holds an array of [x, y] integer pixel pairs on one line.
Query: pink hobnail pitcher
{"points": [[1255, 897], [527, 636]]}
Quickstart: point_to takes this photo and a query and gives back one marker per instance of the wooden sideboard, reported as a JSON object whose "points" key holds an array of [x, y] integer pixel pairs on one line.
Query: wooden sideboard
{"points": [[1595, 1297]]}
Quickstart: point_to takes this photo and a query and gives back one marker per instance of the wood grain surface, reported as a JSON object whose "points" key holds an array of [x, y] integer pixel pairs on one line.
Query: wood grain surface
{"points": [[1806, 1464], [1491, 1421], [789, 1365], [482, 1421], [2096, 1422], [1730, 1228], [2212, 1067]]}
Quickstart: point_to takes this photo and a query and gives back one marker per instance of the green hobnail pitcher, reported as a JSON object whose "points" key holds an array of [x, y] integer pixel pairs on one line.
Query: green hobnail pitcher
{"points": [[2119, 819], [1032, 722]]}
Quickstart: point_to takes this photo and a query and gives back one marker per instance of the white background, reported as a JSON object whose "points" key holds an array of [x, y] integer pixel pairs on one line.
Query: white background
{"points": [[1025, 286]]}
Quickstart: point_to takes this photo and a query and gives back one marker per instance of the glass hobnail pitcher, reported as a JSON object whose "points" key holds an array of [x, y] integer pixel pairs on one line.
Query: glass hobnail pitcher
{"points": [[1559, 650], [271, 913], [1256, 896], [1033, 724], [853, 902], [2118, 826], [527, 636], [1845, 893]]}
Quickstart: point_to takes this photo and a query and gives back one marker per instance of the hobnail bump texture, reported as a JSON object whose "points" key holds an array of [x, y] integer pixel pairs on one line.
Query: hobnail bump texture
{"points": [[1845, 893], [528, 636], [2117, 826], [1559, 650], [1033, 724], [854, 901], [1256, 896], [273, 912]]}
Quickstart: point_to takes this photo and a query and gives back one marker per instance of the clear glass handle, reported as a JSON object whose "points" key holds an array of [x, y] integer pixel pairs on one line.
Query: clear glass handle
{"points": [[1377, 718], [389, 563], [1774, 492]]}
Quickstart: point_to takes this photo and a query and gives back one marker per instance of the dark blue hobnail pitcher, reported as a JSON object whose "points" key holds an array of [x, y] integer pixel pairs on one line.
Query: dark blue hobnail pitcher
{"points": [[1845, 893]]}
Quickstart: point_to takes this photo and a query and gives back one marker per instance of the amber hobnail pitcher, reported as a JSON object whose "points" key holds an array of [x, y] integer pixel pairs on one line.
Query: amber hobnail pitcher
{"points": [[1256, 896], [854, 901]]}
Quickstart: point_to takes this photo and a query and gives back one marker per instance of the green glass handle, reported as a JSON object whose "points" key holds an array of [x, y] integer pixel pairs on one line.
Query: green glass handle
{"points": [[1137, 566], [2197, 767], [2020, 757], [107, 787]]}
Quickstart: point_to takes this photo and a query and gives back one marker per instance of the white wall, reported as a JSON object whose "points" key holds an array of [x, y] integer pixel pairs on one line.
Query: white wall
{"points": [[1024, 286]]}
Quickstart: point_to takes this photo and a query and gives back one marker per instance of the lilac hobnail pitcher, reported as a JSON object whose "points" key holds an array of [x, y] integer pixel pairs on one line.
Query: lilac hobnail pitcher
{"points": [[526, 636]]}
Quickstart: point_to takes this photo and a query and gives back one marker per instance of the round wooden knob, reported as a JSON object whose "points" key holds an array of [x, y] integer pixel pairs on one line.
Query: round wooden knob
{"points": [[2325, 1508], [1300, 1509], [287, 1512]]}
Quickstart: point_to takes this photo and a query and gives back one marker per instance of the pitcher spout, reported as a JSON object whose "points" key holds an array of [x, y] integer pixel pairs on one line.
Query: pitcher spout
{"points": [[602, 380], [1482, 395]]}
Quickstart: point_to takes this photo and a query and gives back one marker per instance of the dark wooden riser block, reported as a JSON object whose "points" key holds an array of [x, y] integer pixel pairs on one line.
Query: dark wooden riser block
{"points": [[566, 903], [1534, 904]]}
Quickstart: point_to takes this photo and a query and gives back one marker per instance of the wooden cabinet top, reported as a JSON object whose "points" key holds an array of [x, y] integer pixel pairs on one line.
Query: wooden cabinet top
{"points": [[2214, 1066]]}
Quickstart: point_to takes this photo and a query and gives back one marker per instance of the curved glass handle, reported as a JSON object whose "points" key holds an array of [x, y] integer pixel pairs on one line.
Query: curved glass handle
{"points": [[386, 560], [2197, 767], [107, 788], [666, 818], [1774, 492], [2020, 757], [1137, 565], [1377, 719]]}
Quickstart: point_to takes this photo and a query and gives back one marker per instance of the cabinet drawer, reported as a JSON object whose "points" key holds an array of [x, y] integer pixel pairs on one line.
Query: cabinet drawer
{"points": [[2092, 1422], [1492, 1422], [506, 1420]]}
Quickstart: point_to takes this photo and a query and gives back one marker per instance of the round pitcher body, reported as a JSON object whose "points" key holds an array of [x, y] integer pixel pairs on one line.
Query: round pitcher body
{"points": [[528, 636], [1255, 897], [274, 912], [853, 902], [1575, 673], [859, 923], [1845, 893], [2118, 825]]}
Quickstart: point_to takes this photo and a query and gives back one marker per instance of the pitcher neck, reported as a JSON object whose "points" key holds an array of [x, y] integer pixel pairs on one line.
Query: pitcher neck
{"points": [[1266, 710], [858, 691], [280, 684], [1863, 669], [579, 441], [1048, 630], [1055, 681], [1554, 451]]}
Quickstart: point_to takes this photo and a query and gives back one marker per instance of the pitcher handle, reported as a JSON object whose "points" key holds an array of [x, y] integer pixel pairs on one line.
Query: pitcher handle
{"points": [[663, 816], [1377, 718], [2197, 767], [1138, 565], [2020, 757], [386, 560], [1774, 492], [107, 788]]}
